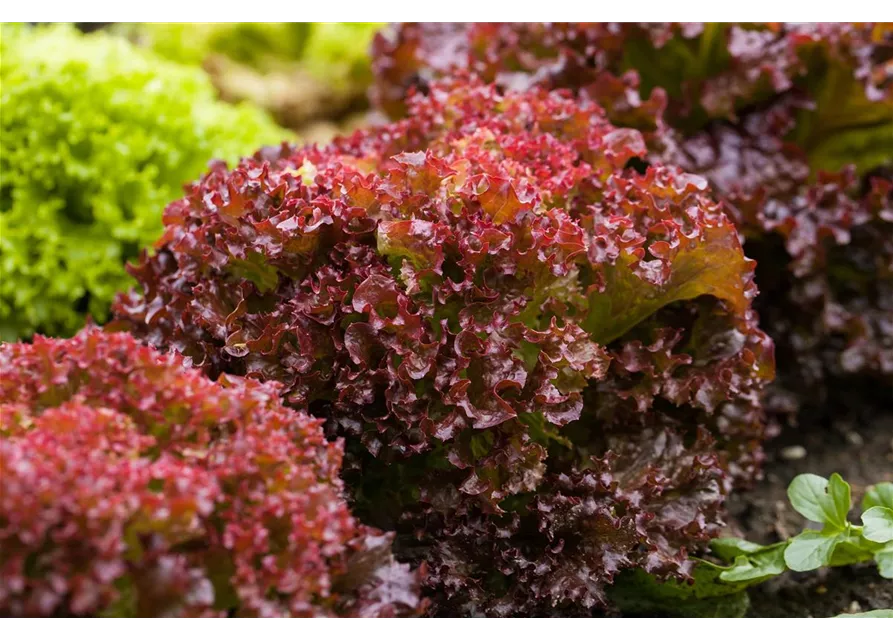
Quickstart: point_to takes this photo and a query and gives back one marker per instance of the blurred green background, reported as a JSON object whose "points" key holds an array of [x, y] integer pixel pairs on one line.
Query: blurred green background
{"points": [[101, 130]]}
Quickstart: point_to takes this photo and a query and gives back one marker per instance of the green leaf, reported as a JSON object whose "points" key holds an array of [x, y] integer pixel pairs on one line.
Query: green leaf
{"points": [[867, 148], [764, 564], [877, 613], [846, 126], [681, 63], [850, 549], [884, 560], [878, 524], [638, 592], [880, 495], [125, 605], [220, 570], [728, 549], [256, 269], [481, 443], [542, 431], [821, 500], [839, 490], [810, 550], [715, 267]]}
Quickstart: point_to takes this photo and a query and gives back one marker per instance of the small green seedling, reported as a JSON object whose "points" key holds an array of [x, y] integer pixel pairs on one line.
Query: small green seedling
{"points": [[719, 586], [826, 502]]}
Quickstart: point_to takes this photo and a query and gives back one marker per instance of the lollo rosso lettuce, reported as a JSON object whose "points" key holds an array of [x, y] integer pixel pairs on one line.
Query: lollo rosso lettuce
{"points": [[824, 246], [132, 485], [96, 137], [545, 364], [792, 124], [699, 72], [808, 179]]}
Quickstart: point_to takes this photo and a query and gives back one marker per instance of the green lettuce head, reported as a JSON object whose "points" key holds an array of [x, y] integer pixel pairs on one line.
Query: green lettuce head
{"points": [[332, 51], [97, 136]]}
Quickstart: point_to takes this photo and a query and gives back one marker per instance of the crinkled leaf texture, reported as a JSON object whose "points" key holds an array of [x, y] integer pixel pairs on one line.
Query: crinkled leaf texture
{"points": [[702, 71], [792, 124], [97, 136], [544, 362], [807, 175], [132, 485], [824, 252]]}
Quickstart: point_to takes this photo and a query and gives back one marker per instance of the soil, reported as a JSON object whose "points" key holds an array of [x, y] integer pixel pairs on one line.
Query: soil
{"points": [[862, 452]]}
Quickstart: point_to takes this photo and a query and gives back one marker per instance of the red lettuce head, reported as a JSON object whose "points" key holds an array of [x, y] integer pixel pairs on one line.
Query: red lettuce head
{"points": [[699, 71], [807, 178], [544, 362], [133, 485], [792, 125]]}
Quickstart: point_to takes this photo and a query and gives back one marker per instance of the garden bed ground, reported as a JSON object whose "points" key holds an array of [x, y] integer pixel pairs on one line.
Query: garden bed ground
{"points": [[862, 456]]}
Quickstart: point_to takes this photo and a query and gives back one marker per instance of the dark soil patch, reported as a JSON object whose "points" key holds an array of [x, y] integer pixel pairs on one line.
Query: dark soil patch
{"points": [[863, 454]]}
